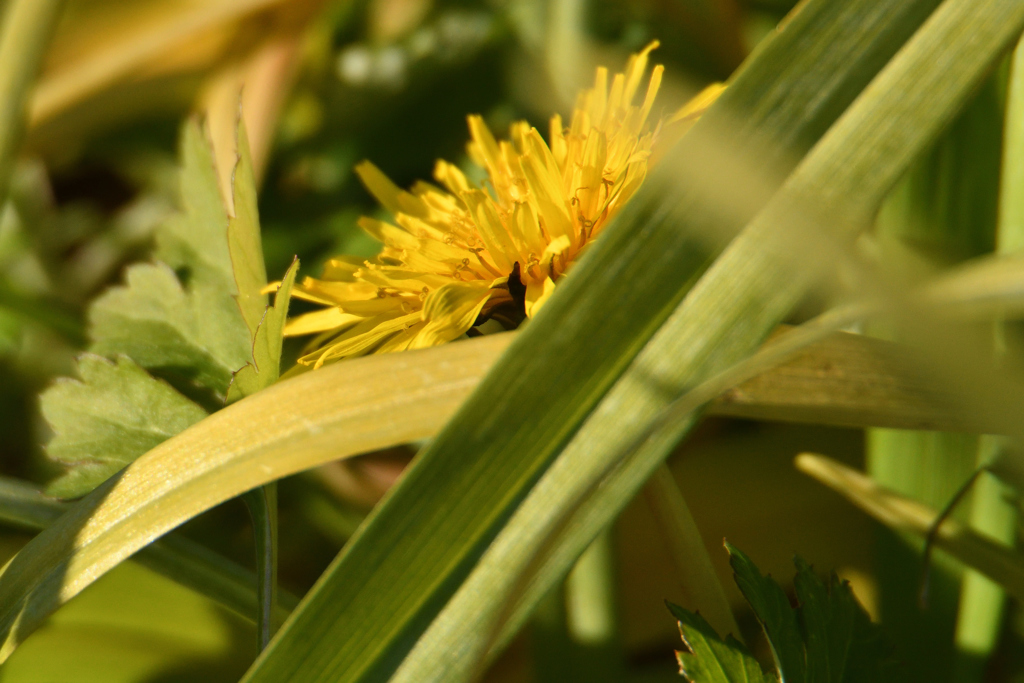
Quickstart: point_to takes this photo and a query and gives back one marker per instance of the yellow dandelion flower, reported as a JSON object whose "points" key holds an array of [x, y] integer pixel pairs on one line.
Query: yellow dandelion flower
{"points": [[458, 256]]}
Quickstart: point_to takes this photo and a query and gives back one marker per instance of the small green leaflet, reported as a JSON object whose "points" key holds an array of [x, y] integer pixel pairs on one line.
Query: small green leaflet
{"points": [[244, 243], [192, 316], [710, 659], [265, 367], [178, 316], [828, 638], [107, 420], [266, 325]]}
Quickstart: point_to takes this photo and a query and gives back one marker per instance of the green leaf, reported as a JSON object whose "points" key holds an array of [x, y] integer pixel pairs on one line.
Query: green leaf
{"points": [[179, 316], [265, 367], [843, 645], [193, 316], [829, 638], [194, 332], [107, 420], [776, 615], [711, 659], [196, 238], [248, 268]]}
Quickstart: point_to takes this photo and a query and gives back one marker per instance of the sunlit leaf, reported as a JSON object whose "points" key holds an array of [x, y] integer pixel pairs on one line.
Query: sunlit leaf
{"points": [[826, 638], [248, 270], [711, 659], [113, 415], [264, 370], [179, 315]]}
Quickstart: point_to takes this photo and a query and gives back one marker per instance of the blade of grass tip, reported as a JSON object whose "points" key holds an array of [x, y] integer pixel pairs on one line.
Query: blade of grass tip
{"points": [[24, 36], [858, 161], [175, 557], [686, 546], [416, 548], [1001, 564], [262, 505]]}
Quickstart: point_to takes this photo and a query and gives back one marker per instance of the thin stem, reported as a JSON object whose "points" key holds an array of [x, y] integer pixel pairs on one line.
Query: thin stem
{"points": [[262, 504]]}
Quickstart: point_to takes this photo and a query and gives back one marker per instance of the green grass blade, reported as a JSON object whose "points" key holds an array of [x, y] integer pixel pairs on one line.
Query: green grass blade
{"points": [[684, 543]]}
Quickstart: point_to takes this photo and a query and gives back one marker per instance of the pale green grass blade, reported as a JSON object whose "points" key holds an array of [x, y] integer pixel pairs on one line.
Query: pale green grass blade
{"points": [[740, 299], [24, 35], [999, 563], [986, 288], [849, 380], [414, 551], [339, 411]]}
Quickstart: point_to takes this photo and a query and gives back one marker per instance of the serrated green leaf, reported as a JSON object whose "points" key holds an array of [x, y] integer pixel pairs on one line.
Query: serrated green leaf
{"points": [[193, 331], [843, 645], [244, 245], [772, 608], [711, 659], [113, 415], [266, 349], [179, 315], [829, 638], [196, 239]]}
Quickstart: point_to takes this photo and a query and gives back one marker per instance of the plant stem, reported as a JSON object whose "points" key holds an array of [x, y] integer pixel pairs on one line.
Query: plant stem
{"points": [[262, 504]]}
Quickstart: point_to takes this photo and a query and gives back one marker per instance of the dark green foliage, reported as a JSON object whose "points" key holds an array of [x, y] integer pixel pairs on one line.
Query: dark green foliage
{"points": [[827, 638]]}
